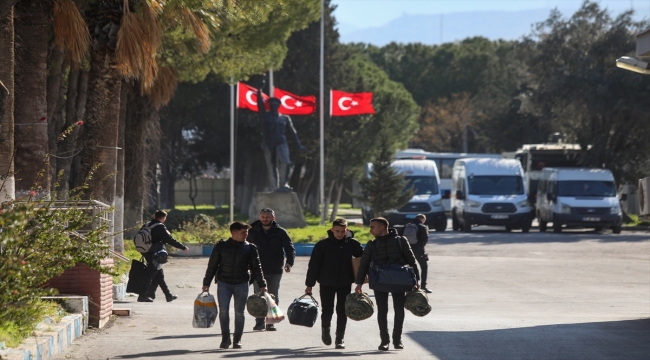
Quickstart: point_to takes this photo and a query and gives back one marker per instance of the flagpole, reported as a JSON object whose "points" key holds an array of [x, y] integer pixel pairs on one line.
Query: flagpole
{"points": [[322, 112], [271, 87], [232, 150]]}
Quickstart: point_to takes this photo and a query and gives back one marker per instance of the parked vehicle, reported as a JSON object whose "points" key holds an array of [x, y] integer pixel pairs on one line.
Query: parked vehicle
{"points": [[578, 197], [489, 192], [423, 176]]}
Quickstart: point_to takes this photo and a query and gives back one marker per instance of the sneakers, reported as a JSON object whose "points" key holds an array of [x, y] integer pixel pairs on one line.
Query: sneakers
{"points": [[270, 327], [426, 290], [339, 342], [225, 341], [258, 327], [325, 336], [236, 341], [143, 298], [171, 297]]}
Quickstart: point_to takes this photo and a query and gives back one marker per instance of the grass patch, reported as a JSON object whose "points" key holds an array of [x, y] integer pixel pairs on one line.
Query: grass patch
{"points": [[12, 333], [636, 221], [220, 214], [314, 233]]}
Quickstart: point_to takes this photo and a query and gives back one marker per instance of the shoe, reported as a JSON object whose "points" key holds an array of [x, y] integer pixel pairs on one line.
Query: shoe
{"points": [[426, 290], [339, 343], [142, 298], [270, 327], [259, 327], [151, 296], [397, 340], [171, 297], [236, 341], [325, 336], [385, 342], [225, 341]]}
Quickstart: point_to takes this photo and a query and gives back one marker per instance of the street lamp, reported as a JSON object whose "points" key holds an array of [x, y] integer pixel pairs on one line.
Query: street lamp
{"points": [[633, 64]]}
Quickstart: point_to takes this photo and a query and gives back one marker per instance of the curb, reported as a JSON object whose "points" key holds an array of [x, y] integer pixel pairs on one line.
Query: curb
{"points": [[50, 339]]}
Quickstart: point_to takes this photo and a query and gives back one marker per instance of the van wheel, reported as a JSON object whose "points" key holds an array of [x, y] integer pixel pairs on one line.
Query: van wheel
{"points": [[557, 227], [542, 226], [617, 229], [454, 222], [508, 228], [598, 229], [441, 227], [525, 228], [467, 226]]}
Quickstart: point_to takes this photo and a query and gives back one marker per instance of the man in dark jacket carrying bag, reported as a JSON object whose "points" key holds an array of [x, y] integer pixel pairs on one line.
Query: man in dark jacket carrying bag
{"points": [[331, 265], [230, 261], [418, 249], [390, 249], [155, 276], [272, 242]]}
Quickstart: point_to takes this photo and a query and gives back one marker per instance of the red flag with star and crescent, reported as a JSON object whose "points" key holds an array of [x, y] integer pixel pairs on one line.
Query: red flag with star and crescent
{"points": [[291, 104], [247, 97], [346, 104]]}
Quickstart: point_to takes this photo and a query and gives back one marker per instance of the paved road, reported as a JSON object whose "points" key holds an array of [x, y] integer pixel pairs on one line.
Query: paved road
{"points": [[575, 295]]}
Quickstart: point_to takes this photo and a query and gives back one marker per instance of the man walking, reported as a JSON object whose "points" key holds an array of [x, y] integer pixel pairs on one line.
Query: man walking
{"points": [[331, 265], [273, 243], [230, 261], [390, 249], [421, 237], [155, 277]]}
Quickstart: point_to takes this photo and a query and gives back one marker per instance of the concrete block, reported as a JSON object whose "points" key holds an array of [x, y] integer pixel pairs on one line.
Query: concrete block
{"points": [[14, 354], [288, 212], [119, 291], [303, 249]]}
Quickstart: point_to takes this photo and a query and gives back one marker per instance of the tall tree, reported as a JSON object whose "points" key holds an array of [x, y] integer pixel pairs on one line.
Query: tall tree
{"points": [[7, 180]]}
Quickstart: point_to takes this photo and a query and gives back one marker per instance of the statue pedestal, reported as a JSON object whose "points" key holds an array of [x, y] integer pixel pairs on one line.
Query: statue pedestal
{"points": [[288, 212]]}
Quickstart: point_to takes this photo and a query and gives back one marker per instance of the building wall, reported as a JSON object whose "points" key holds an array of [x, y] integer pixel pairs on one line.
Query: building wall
{"points": [[210, 191]]}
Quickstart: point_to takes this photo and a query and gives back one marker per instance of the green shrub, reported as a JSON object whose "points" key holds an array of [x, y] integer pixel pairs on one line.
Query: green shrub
{"points": [[202, 230]]}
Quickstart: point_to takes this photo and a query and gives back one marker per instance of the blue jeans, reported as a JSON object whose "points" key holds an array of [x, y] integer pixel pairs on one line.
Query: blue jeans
{"points": [[226, 291], [273, 286]]}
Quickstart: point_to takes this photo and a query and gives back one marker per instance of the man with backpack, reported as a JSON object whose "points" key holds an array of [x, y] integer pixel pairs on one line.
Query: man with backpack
{"points": [[418, 235], [157, 235]]}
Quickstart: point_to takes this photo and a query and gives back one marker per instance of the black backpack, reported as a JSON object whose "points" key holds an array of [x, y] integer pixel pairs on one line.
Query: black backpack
{"points": [[142, 238]]}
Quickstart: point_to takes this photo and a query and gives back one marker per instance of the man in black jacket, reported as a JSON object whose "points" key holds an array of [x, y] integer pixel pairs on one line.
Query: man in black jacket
{"points": [[418, 249], [273, 243], [391, 249], [230, 261], [331, 265], [154, 276]]}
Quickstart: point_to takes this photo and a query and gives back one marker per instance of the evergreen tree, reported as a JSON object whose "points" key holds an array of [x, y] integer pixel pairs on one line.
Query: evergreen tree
{"points": [[385, 188]]}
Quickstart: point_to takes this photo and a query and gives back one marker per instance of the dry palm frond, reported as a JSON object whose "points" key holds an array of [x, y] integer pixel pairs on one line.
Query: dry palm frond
{"points": [[148, 73], [70, 31], [152, 11], [163, 87], [133, 47], [199, 28]]}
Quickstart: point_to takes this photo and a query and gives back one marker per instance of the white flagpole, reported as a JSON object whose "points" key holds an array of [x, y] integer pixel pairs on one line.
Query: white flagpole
{"points": [[322, 112], [271, 87], [232, 150]]}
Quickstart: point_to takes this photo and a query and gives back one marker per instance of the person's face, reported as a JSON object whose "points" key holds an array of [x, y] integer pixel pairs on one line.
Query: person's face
{"points": [[239, 235], [266, 218], [377, 229], [339, 232], [162, 220]]}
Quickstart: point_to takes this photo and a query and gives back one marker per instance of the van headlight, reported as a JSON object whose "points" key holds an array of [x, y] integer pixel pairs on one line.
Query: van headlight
{"points": [[437, 203], [474, 204], [566, 209], [614, 210], [523, 203]]}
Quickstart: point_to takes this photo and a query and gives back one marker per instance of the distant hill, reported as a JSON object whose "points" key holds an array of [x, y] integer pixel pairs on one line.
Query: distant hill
{"points": [[456, 26]]}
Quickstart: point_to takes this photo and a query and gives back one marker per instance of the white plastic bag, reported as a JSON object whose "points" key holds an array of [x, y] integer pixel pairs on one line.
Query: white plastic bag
{"points": [[205, 311], [274, 315]]}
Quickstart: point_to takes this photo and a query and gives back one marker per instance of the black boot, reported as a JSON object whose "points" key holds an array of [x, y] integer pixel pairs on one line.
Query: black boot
{"points": [[236, 341], [397, 339], [225, 341], [339, 342], [171, 297], [385, 341], [326, 337]]}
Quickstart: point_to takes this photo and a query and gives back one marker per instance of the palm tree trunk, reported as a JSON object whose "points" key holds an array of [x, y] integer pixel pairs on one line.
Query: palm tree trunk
{"points": [[68, 146], [7, 184], [30, 111], [118, 240], [55, 103]]}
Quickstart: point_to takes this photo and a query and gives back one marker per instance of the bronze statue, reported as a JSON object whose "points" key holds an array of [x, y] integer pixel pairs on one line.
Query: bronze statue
{"points": [[274, 142]]}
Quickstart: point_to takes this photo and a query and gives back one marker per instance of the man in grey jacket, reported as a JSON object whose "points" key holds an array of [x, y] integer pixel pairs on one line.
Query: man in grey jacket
{"points": [[391, 249]]}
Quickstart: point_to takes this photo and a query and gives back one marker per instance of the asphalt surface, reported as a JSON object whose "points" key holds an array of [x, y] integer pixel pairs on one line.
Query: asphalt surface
{"points": [[575, 295]]}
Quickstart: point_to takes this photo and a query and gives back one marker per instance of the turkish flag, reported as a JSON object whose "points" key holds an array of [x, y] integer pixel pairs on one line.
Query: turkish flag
{"points": [[293, 104], [247, 97], [345, 104]]}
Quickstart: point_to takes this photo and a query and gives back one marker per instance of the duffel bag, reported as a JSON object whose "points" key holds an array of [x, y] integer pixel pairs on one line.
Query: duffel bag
{"points": [[303, 311], [137, 275]]}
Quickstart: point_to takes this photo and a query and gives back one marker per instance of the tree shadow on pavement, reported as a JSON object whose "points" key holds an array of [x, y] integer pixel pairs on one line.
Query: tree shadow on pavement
{"points": [[627, 339], [255, 354]]}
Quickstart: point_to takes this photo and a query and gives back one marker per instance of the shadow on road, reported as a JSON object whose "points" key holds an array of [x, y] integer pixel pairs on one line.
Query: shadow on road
{"points": [[256, 354], [628, 339], [486, 236]]}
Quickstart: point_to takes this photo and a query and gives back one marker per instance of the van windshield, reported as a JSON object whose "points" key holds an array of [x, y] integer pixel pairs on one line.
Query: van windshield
{"points": [[423, 185], [581, 188], [495, 185]]}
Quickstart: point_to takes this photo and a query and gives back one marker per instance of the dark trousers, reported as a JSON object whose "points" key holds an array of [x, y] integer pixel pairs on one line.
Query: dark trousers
{"points": [[382, 311], [327, 296], [424, 268], [153, 279]]}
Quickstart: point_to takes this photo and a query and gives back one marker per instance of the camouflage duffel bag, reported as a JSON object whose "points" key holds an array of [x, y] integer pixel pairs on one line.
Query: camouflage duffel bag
{"points": [[256, 305], [358, 306], [417, 303]]}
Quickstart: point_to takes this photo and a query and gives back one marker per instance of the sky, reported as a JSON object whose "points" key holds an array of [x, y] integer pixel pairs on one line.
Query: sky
{"points": [[370, 13]]}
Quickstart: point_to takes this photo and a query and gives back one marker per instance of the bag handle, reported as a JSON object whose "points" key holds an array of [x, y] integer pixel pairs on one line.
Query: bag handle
{"points": [[312, 298]]}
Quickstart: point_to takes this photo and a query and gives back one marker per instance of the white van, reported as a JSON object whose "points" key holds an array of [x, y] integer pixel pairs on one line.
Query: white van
{"points": [[489, 192], [578, 197], [423, 176]]}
